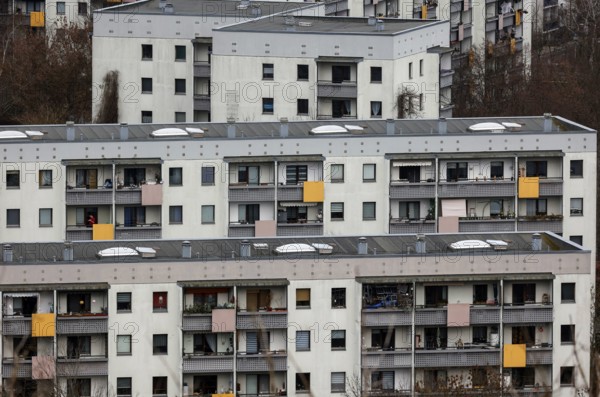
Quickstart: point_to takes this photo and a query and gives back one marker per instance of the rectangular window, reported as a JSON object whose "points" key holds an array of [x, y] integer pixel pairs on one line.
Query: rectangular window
{"points": [[479, 334], [576, 206], [480, 292], [60, 8], [410, 70], [78, 346], [536, 168], [456, 171], [375, 74], [248, 213], [45, 217], [267, 71], [295, 174], [267, 106], [536, 207], [496, 207], [420, 67], [337, 211], [249, 174], [302, 106], [208, 214], [87, 216], [123, 302], [338, 382], [567, 334], [123, 387], [576, 168], [409, 210], [567, 292], [566, 376], [382, 380], [338, 339], [337, 173], [179, 86], [369, 172], [159, 301], [497, 169], [146, 52], [159, 385], [13, 217], [302, 297], [13, 179], [338, 297], [302, 341], [302, 72], [340, 73], [146, 85], [82, 8], [303, 382], [410, 174], [523, 293], [436, 295], [180, 53], [577, 239], [45, 178], [160, 344], [180, 117], [134, 216], [123, 345], [376, 109], [208, 175], [79, 387], [146, 116], [175, 176], [369, 211]]}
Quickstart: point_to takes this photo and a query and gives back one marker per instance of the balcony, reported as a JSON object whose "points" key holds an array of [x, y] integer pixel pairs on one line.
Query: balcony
{"points": [[16, 326], [83, 366], [528, 314], [82, 324], [551, 187], [321, 116], [202, 102], [251, 193], [541, 224], [139, 232], [386, 359], [197, 322], [263, 362], [407, 190], [290, 193], [241, 230], [20, 369], [472, 357], [300, 229], [14, 20], [193, 363], [262, 320], [484, 315], [477, 188], [202, 69], [329, 89], [386, 317], [406, 226], [431, 316], [470, 225], [75, 233], [446, 78], [82, 196], [336, 6], [538, 355], [128, 196]]}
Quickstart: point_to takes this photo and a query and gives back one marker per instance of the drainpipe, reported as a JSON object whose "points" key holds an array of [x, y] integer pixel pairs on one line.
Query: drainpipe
{"points": [[501, 334], [516, 200], [435, 206], [414, 339]]}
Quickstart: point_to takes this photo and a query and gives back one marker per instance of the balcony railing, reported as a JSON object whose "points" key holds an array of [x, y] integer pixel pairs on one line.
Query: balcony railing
{"points": [[407, 190], [82, 196], [486, 225], [271, 361], [300, 229], [128, 196], [202, 102], [193, 363], [551, 187], [290, 193], [16, 326], [479, 188], [262, 320], [140, 232], [406, 226], [251, 193], [386, 317], [197, 322], [82, 324], [431, 316], [17, 20], [539, 225], [75, 233], [484, 315], [329, 89], [528, 314], [474, 357], [241, 230], [201, 69], [322, 116], [20, 369], [84, 366], [373, 358], [538, 355]]}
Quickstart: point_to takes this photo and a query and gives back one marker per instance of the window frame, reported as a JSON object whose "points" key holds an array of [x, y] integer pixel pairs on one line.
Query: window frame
{"points": [[178, 57], [461, 172], [123, 341], [376, 77], [147, 115], [266, 102], [338, 387], [45, 182], [332, 212], [304, 303], [266, 75], [82, 8], [11, 213], [127, 302], [566, 290], [366, 211], [333, 178], [567, 334], [178, 117], [537, 168], [373, 115], [577, 208], [496, 169], [366, 174], [577, 239], [123, 390], [578, 171], [207, 175], [300, 75], [160, 381], [340, 339], [158, 347], [302, 108], [159, 306], [147, 52], [179, 90], [61, 8], [338, 298], [13, 179], [40, 217], [302, 341], [146, 81], [175, 176], [410, 70], [302, 382], [564, 372], [211, 220]]}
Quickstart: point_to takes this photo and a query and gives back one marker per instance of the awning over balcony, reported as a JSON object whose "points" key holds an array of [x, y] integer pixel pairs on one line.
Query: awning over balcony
{"points": [[461, 279], [52, 287], [22, 294], [267, 159], [411, 164], [454, 207], [339, 59], [296, 204], [231, 283], [128, 161]]}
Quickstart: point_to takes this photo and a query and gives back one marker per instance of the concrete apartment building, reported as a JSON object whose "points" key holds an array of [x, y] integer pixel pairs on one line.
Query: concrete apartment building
{"points": [[46, 15], [402, 315]]}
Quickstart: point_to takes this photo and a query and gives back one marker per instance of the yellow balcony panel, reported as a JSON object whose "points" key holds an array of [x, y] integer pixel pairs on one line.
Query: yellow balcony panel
{"points": [[529, 187], [43, 324], [103, 232], [314, 192], [36, 19], [515, 356]]}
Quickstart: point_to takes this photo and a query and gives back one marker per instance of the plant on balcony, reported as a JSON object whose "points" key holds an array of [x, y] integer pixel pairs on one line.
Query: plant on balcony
{"points": [[197, 308]]}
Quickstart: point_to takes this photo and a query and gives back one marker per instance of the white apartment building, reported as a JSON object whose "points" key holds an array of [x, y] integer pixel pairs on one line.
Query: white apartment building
{"points": [[306, 68], [46, 15], [396, 315]]}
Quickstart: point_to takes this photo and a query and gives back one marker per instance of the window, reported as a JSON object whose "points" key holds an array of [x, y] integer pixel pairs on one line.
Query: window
{"points": [[577, 239], [175, 176], [436, 295], [337, 173], [566, 376], [497, 169], [123, 302], [369, 211], [368, 172], [302, 72], [203, 343], [376, 109], [180, 53], [375, 74], [338, 339], [26, 347], [208, 214], [267, 71], [123, 345], [123, 387], [479, 334], [410, 210], [576, 168], [82, 8], [341, 108], [85, 216], [383, 338], [302, 341], [146, 85], [146, 116], [410, 70], [180, 117], [257, 342], [134, 216], [456, 171], [567, 334], [160, 344], [45, 178], [338, 297], [146, 52], [159, 385], [410, 174], [13, 217], [496, 208], [208, 175], [536, 168], [79, 387], [78, 346], [249, 174], [248, 213], [523, 293], [536, 207], [159, 301], [421, 99], [382, 380], [340, 74], [303, 382], [179, 86], [60, 8], [576, 206], [420, 67], [46, 217], [480, 292], [567, 292], [267, 105], [302, 297], [294, 174], [337, 211], [338, 382], [13, 179], [302, 106]]}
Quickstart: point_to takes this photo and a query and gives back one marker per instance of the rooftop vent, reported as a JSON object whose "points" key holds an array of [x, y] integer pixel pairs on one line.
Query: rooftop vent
{"points": [[305, 24], [487, 127], [168, 132], [124, 132], [547, 122], [256, 11], [379, 25], [162, 4], [442, 126], [289, 20], [186, 249], [372, 20], [70, 131], [469, 244], [363, 246], [536, 242], [169, 9], [245, 249]]}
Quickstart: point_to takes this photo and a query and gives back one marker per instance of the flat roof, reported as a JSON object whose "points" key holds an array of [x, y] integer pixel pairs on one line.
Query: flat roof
{"points": [[336, 25]]}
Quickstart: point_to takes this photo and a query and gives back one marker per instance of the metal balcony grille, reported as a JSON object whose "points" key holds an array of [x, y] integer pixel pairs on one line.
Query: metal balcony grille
{"points": [[431, 317], [262, 363], [207, 364], [202, 322], [387, 360], [16, 326], [266, 320], [251, 193], [376, 318], [412, 190], [528, 314], [81, 325], [457, 358]]}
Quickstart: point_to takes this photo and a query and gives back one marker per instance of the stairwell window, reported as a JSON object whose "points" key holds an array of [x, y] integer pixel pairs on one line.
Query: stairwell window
{"points": [[146, 85], [82, 8], [267, 106], [159, 301], [267, 71], [180, 86], [60, 8], [577, 206], [376, 74], [146, 52], [303, 298], [376, 109]]}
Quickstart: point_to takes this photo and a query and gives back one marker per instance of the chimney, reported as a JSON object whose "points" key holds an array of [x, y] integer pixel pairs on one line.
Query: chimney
{"points": [[442, 126], [363, 247], [420, 246], [70, 131], [230, 127], [536, 242], [283, 127], [547, 122], [7, 252], [390, 126], [372, 20], [68, 251], [245, 249], [169, 8], [124, 131], [186, 250]]}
